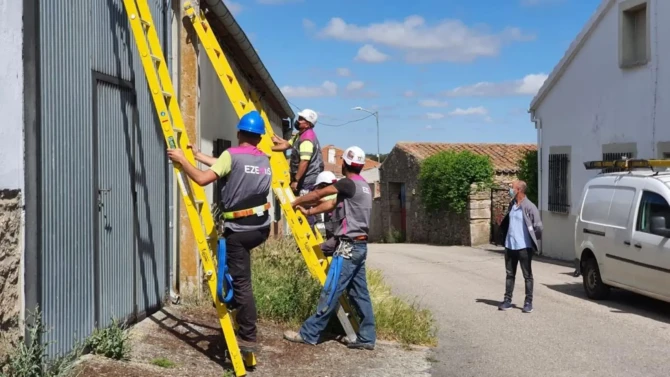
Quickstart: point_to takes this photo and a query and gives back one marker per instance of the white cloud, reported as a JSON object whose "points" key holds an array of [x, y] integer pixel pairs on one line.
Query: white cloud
{"points": [[409, 93], [355, 85], [479, 110], [434, 116], [233, 7], [369, 54], [448, 40], [308, 24], [527, 86], [343, 72], [327, 89], [433, 103]]}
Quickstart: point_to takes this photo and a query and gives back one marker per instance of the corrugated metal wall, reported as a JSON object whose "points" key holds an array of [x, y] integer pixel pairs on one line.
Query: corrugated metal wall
{"points": [[98, 131]]}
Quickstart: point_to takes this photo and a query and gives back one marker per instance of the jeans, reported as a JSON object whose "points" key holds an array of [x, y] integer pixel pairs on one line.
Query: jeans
{"points": [[353, 280], [238, 248], [512, 258]]}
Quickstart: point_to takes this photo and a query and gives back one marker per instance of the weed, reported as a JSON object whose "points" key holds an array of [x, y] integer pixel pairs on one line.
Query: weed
{"points": [[394, 236], [30, 359], [397, 319], [111, 342], [163, 363]]}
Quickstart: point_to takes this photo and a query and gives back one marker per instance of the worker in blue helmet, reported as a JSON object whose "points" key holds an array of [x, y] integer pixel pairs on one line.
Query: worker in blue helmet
{"points": [[245, 210]]}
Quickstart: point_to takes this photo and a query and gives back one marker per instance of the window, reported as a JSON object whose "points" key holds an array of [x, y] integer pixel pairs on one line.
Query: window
{"points": [[558, 183], [616, 156], [652, 204], [634, 47]]}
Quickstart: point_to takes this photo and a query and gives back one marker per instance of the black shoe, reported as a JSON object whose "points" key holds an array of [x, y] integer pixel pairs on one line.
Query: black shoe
{"points": [[528, 307], [247, 346], [361, 346], [507, 304]]}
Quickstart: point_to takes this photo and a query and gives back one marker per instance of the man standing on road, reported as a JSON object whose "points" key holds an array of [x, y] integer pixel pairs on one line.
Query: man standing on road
{"points": [[521, 229], [245, 209], [353, 219]]}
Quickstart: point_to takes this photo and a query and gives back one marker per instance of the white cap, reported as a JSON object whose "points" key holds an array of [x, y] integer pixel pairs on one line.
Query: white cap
{"points": [[326, 177], [354, 156], [309, 115]]}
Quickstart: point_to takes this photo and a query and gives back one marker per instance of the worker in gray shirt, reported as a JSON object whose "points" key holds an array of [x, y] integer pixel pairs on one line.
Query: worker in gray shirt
{"points": [[521, 229]]}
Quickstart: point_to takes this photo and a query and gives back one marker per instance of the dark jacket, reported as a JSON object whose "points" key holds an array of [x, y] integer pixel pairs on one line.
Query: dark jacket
{"points": [[532, 218]]}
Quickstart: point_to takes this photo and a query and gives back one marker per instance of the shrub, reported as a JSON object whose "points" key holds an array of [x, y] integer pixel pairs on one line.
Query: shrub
{"points": [[32, 360], [111, 342], [286, 293], [528, 172], [445, 179]]}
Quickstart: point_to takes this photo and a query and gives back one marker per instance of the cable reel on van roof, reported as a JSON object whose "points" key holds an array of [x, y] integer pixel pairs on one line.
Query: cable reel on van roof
{"points": [[627, 164]]}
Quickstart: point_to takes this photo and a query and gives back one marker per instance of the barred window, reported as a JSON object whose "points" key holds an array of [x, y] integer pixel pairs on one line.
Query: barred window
{"points": [[614, 157], [558, 183]]}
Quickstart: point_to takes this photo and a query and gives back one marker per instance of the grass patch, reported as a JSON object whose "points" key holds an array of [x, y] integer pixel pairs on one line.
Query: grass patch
{"points": [[30, 359], [163, 363], [287, 294]]}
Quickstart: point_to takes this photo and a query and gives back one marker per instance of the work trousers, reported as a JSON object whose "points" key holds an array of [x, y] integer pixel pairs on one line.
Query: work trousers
{"points": [[353, 281], [512, 259], [238, 250]]}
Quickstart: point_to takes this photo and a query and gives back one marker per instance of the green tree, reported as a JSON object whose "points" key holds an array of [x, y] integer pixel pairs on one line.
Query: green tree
{"points": [[528, 172], [445, 179]]}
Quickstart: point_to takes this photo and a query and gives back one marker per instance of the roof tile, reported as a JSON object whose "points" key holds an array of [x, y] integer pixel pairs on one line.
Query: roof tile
{"points": [[504, 157]]}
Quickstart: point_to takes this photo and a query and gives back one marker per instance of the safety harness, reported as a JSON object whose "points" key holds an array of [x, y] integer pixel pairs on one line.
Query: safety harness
{"points": [[222, 276]]}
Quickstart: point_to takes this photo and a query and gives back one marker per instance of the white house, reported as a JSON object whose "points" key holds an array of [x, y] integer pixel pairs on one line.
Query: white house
{"points": [[607, 97]]}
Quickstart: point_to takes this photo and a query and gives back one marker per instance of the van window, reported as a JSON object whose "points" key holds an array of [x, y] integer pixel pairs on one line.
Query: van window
{"points": [[597, 204], [622, 202], [651, 204]]}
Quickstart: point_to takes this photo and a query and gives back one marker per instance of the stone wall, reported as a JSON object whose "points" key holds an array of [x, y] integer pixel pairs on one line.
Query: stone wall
{"points": [[422, 226], [376, 233], [10, 265], [499, 202]]}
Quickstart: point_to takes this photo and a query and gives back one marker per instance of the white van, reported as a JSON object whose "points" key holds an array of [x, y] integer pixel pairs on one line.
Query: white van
{"points": [[621, 234]]}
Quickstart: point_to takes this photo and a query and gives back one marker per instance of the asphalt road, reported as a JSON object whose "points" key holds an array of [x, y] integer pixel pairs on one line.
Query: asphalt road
{"points": [[566, 335]]}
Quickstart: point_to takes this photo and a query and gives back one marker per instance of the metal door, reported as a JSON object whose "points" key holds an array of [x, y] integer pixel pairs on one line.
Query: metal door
{"points": [[115, 124]]}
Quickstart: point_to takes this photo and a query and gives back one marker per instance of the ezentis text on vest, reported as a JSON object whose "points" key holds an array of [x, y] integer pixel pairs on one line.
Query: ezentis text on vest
{"points": [[251, 169]]}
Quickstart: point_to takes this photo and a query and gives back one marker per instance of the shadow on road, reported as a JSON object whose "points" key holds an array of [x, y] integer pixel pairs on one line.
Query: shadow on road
{"points": [[621, 301], [493, 303]]}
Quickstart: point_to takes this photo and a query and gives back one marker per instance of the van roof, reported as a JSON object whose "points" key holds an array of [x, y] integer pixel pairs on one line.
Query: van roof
{"points": [[662, 175]]}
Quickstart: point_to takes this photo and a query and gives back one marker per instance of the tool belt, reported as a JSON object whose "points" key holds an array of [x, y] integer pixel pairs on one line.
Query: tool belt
{"points": [[258, 211]]}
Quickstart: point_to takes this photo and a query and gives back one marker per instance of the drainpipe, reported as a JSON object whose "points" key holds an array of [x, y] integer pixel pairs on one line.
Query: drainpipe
{"points": [[538, 127], [172, 17]]}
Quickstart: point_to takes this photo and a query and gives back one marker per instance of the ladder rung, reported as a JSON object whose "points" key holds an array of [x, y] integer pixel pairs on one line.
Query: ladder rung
{"points": [[177, 130], [145, 23], [156, 59], [167, 94]]}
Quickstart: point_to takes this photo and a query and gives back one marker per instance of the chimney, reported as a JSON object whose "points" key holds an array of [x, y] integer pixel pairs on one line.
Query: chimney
{"points": [[331, 155]]}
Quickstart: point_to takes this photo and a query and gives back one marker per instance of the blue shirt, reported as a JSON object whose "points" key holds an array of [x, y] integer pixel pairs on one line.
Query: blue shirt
{"points": [[517, 235]]}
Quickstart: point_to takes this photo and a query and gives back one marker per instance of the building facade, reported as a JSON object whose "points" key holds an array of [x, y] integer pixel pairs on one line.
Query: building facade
{"points": [[403, 213], [604, 100]]}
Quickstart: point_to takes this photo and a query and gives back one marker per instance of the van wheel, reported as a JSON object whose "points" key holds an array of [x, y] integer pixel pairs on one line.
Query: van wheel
{"points": [[593, 285]]}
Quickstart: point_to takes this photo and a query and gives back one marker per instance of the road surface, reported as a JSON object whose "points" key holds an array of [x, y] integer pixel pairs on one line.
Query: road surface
{"points": [[566, 335]]}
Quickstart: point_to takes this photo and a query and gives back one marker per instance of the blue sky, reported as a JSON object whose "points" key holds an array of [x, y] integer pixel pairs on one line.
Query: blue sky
{"points": [[436, 70]]}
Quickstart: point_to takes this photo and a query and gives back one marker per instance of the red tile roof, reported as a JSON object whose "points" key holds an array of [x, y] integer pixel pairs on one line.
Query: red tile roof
{"points": [[504, 157], [337, 166]]}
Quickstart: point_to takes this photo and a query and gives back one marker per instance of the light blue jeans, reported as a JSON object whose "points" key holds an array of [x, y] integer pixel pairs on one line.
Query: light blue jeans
{"points": [[353, 280]]}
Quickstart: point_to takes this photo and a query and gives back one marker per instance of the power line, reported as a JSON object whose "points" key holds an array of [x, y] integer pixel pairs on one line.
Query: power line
{"points": [[334, 125]]}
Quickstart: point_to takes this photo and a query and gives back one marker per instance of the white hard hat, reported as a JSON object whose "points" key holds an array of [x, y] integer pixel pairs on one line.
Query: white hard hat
{"points": [[354, 156], [326, 177], [309, 115]]}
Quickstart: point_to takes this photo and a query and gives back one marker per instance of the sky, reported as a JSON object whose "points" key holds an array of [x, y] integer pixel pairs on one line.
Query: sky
{"points": [[452, 71]]}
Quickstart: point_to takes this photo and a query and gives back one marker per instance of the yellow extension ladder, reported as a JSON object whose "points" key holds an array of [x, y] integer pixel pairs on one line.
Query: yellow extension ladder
{"points": [[172, 124], [308, 239]]}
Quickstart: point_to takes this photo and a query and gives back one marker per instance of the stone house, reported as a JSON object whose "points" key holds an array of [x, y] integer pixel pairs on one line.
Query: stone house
{"points": [[402, 211]]}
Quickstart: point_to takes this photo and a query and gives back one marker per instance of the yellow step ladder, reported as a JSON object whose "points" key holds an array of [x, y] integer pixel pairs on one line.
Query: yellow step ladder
{"points": [[172, 124], [308, 239]]}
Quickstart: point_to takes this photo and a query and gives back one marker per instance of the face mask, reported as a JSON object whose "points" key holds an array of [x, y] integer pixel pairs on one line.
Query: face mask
{"points": [[511, 193], [296, 125]]}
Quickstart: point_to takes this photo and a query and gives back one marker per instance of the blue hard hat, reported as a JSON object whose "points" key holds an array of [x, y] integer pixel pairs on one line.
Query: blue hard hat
{"points": [[252, 122]]}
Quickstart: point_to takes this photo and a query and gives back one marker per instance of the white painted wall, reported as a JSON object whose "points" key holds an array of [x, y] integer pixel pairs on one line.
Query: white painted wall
{"points": [[595, 103], [11, 94], [217, 118]]}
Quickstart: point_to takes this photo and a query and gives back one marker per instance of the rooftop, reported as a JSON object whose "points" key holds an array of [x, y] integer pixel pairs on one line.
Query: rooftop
{"points": [[504, 157], [336, 165]]}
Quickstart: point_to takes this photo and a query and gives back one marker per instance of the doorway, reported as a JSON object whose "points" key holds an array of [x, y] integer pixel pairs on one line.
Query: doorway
{"points": [[398, 210]]}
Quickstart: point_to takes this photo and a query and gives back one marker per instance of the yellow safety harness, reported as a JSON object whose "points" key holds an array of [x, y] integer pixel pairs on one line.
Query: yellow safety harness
{"points": [[258, 210]]}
